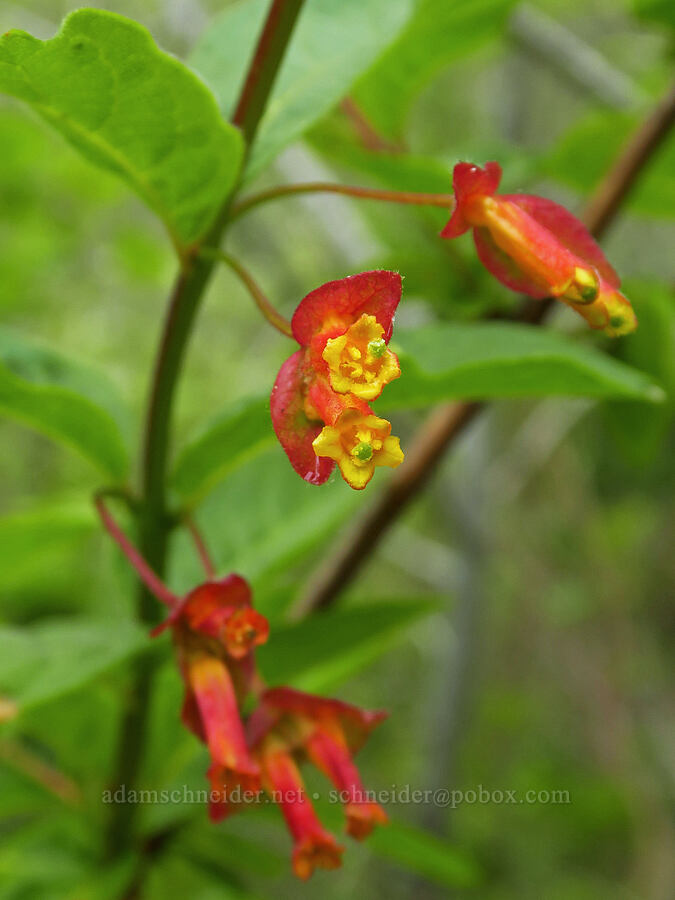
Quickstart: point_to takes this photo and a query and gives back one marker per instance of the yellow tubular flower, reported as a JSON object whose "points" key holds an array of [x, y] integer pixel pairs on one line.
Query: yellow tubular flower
{"points": [[359, 443], [359, 362]]}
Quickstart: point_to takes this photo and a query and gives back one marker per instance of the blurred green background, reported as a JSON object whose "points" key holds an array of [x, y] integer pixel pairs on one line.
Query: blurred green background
{"points": [[545, 541]]}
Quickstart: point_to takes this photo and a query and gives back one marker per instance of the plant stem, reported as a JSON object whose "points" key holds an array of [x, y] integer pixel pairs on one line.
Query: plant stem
{"points": [[153, 522], [413, 198], [264, 67], [447, 422], [149, 578], [259, 297], [16, 754], [200, 545]]}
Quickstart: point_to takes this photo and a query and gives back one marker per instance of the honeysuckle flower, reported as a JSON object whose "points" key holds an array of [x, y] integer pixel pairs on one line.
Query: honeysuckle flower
{"points": [[359, 442], [215, 630], [221, 610], [359, 361], [289, 726], [211, 711], [343, 329], [535, 246], [313, 846]]}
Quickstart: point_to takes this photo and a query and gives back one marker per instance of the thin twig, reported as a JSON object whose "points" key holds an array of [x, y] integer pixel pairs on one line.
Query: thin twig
{"points": [[200, 545], [410, 198], [446, 422], [259, 297], [59, 784], [574, 59], [370, 138], [151, 580]]}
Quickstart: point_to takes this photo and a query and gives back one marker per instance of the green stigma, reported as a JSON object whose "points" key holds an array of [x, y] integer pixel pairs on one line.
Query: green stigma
{"points": [[377, 347], [363, 451], [616, 321], [586, 283]]}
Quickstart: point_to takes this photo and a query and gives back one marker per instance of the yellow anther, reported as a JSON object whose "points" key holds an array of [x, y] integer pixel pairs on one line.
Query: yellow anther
{"points": [[376, 366]]}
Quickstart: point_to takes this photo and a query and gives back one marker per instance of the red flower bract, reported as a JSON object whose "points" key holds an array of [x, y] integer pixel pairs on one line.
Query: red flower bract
{"points": [[535, 246], [343, 329]]}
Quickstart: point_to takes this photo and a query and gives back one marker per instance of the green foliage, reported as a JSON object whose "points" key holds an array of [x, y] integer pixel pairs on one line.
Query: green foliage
{"points": [[64, 400], [45, 528], [439, 33], [323, 650], [494, 359], [228, 441], [131, 109], [264, 518], [425, 854], [570, 562], [322, 63], [47, 660], [638, 428], [590, 147], [661, 11]]}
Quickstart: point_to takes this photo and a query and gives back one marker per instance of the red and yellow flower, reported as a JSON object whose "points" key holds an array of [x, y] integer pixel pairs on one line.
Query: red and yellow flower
{"points": [[215, 630], [289, 726], [319, 402], [534, 246]]}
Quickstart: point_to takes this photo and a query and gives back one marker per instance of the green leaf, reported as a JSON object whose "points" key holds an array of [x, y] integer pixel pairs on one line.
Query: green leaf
{"points": [[325, 649], [44, 661], [424, 853], [132, 109], [63, 399], [333, 44], [589, 149], [264, 518], [499, 359], [439, 33], [400, 171], [639, 430], [38, 533], [661, 11], [227, 442]]}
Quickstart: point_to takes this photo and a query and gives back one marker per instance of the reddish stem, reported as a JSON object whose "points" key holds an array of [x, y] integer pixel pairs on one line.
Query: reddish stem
{"points": [[410, 198], [200, 545], [151, 580], [260, 299], [265, 64]]}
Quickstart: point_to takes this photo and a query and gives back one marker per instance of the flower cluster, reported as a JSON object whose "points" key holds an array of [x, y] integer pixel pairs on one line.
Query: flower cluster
{"points": [[320, 400], [215, 631], [536, 247], [321, 415]]}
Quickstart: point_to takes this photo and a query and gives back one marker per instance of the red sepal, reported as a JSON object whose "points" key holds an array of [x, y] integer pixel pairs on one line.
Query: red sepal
{"points": [[289, 418], [467, 181], [334, 306], [208, 608], [356, 723], [330, 405]]}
